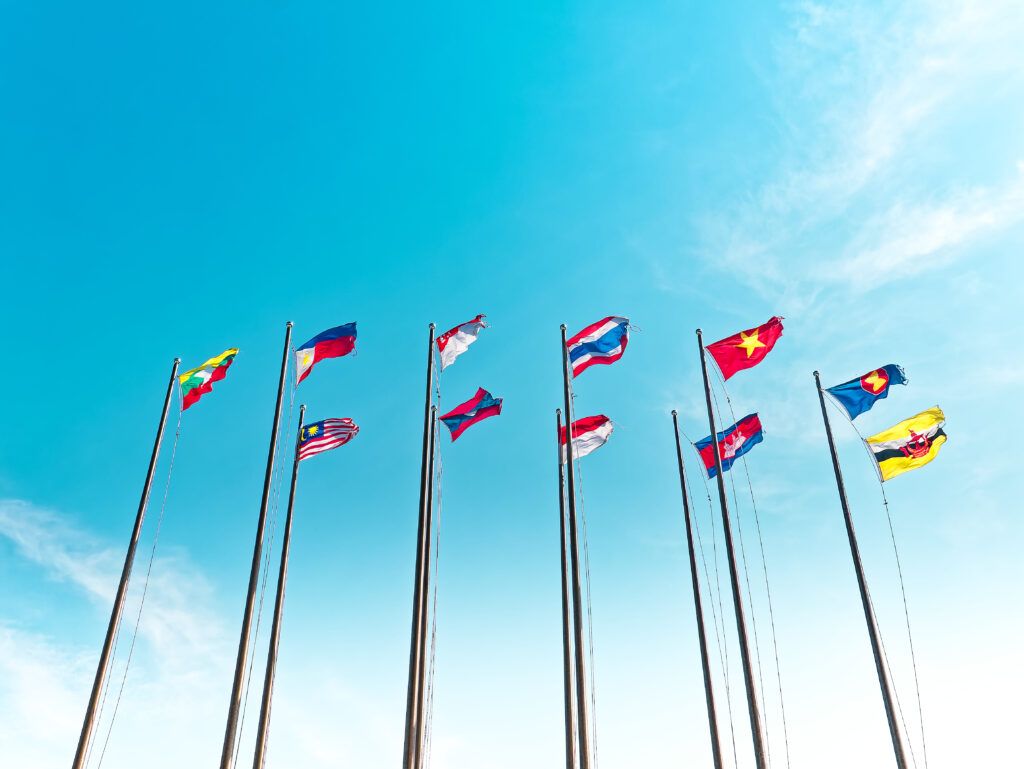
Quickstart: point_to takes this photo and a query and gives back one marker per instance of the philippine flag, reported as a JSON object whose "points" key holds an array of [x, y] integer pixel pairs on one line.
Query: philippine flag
{"points": [[332, 343], [733, 443], [480, 406], [452, 344], [602, 342], [588, 434]]}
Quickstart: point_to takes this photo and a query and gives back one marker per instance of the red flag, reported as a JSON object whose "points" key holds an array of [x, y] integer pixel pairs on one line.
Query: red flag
{"points": [[747, 348]]}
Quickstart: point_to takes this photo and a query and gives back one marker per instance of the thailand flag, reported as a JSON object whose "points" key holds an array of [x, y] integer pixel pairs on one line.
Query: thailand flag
{"points": [[588, 434], [733, 443], [480, 406], [332, 343], [452, 344], [602, 342]]}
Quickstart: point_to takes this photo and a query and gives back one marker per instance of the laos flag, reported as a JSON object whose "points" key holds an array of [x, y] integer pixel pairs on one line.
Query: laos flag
{"points": [[732, 443], [858, 395], [480, 406], [332, 343], [601, 342]]}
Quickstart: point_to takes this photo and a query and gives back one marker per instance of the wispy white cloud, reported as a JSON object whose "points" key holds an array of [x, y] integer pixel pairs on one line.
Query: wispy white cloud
{"points": [[180, 673], [874, 100]]}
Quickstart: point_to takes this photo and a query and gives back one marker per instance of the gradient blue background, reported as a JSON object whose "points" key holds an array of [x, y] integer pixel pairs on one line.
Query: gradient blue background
{"points": [[180, 180]]}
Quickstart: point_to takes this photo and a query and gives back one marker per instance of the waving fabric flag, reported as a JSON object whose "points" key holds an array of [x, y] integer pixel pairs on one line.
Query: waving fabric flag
{"points": [[588, 434], [747, 348], [332, 343], [733, 443], [910, 444], [601, 342], [859, 395], [452, 344], [480, 406], [324, 435], [199, 381]]}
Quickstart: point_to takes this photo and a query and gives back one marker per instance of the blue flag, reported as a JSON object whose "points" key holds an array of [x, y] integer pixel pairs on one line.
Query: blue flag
{"points": [[859, 395]]}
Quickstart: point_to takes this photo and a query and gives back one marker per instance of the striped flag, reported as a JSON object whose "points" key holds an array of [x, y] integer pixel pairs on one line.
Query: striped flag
{"points": [[601, 342], [588, 434], [325, 435]]}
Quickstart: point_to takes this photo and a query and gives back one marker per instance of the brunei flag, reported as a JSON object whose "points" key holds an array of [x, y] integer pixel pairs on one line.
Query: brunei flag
{"points": [[910, 444], [199, 381]]}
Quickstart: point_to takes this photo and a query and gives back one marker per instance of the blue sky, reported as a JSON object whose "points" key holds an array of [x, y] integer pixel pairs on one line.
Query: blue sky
{"points": [[180, 182]]}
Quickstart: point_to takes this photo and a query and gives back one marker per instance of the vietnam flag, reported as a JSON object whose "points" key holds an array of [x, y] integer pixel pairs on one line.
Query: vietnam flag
{"points": [[747, 348]]}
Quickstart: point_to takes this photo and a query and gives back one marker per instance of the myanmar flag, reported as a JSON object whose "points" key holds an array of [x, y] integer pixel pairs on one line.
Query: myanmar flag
{"points": [[199, 381], [910, 444], [747, 348]]}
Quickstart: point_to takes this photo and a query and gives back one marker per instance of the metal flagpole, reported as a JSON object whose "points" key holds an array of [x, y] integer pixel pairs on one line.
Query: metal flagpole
{"points": [[570, 741], [716, 750], [577, 611], [230, 728], [737, 599], [122, 587], [275, 629], [411, 754], [869, 618], [425, 594]]}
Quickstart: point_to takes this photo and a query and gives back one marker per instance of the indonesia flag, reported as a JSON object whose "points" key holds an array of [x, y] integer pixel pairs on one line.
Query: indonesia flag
{"points": [[332, 343], [602, 342], [452, 344], [480, 406], [588, 434]]}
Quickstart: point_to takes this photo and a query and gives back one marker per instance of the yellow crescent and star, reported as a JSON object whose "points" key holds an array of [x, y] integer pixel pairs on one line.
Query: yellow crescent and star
{"points": [[309, 432], [750, 342]]}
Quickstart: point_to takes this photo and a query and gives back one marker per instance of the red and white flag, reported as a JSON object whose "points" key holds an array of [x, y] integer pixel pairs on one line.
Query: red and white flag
{"points": [[452, 344], [325, 435], [588, 434]]}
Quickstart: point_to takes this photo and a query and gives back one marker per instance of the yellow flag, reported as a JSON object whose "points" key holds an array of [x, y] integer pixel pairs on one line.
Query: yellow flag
{"points": [[910, 444]]}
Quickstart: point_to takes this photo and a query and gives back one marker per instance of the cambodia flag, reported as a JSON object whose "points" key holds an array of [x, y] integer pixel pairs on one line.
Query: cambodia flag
{"points": [[859, 395], [588, 434], [480, 406], [332, 343], [745, 349], [732, 443], [601, 342]]}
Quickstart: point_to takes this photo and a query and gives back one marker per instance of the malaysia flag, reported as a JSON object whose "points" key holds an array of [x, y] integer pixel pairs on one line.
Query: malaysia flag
{"points": [[601, 342], [452, 344], [733, 443], [480, 406], [588, 434], [332, 343], [325, 435]]}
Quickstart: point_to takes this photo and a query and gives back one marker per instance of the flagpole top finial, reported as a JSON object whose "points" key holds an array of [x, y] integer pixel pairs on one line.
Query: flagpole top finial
{"points": [[700, 331], [558, 412], [562, 327], [675, 413], [433, 325], [177, 360], [816, 373], [288, 324]]}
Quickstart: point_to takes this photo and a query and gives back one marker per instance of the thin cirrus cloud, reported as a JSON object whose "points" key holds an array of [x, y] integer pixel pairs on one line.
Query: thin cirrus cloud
{"points": [[876, 181]]}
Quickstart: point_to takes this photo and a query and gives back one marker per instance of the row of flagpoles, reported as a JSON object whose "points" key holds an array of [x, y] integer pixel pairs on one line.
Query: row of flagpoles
{"points": [[909, 444]]}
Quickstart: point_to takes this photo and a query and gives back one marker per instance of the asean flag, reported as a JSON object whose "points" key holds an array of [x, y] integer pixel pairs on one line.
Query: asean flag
{"points": [[747, 348], [332, 343]]}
